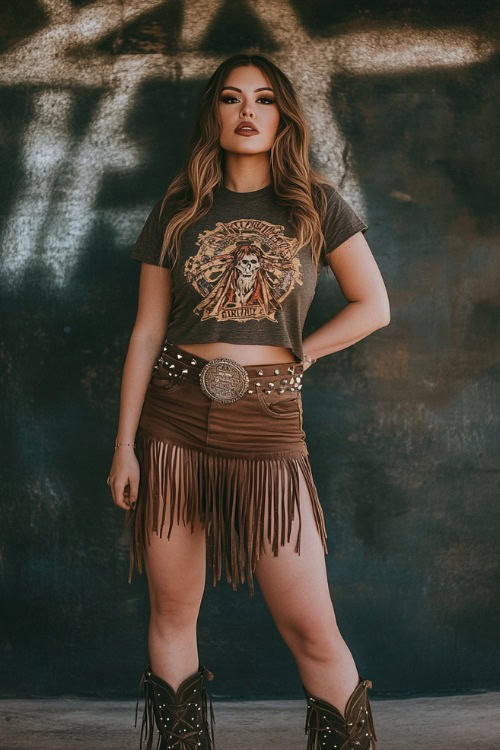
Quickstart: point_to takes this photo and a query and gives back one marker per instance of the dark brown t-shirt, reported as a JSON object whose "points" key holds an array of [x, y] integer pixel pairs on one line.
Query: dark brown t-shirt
{"points": [[240, 279]]}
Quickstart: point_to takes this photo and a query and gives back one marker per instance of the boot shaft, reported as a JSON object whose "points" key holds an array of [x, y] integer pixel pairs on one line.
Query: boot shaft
{"points": [[327, 729], [180, 716]]}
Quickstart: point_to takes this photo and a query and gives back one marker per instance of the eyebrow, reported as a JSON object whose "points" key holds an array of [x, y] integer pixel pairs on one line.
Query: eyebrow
{"points": [[234, 88]]}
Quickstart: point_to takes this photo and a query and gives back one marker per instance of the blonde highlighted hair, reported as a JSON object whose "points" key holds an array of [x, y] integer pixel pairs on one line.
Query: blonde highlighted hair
{"points": [[296, 184]]}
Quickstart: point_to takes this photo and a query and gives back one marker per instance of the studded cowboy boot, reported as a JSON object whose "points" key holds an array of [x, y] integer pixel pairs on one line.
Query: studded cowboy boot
{"points": [[181, 716], [329, 730]]}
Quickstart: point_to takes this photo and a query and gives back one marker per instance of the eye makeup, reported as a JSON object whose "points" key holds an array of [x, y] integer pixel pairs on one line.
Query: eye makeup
{"points": [[227, 97]]}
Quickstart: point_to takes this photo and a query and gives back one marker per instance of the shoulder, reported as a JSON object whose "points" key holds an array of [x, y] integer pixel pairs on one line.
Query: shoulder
{"points": [[160, 214], [339, 220], [158, 210], [338, 208], [153, 213], [167, 207], [327, 194]]}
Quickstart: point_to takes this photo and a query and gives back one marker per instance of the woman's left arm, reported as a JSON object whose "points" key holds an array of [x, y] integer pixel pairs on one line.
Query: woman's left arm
{"points": [[362, 285]]}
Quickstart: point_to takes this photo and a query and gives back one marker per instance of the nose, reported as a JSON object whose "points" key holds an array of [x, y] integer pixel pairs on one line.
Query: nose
{"points": [[246, 111]]}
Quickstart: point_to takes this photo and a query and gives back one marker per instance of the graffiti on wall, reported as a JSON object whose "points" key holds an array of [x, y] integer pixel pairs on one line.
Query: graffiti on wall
{"points": [[63, 48]]}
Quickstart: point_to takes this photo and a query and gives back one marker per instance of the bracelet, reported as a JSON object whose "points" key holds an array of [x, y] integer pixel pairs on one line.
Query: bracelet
{"points": [[308, 359], [117, 444]]}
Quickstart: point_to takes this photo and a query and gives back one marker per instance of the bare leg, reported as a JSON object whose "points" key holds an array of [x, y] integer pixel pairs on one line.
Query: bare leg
{"points": [[176, 570], [295, 588]]}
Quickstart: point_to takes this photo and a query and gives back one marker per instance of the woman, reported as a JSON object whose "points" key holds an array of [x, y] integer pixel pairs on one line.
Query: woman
{"points": [[230, 258]]}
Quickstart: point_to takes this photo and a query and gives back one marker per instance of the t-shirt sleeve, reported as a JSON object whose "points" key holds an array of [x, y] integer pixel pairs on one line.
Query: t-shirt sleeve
{"points": [[341, 222], [147, 247]]}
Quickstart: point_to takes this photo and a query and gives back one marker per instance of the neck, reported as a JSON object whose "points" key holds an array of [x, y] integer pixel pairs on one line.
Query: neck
{"points": [[245, 173]]}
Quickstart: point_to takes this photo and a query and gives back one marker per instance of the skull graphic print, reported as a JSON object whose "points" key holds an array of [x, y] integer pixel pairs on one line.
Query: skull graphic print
{"points": [[243, 270]]}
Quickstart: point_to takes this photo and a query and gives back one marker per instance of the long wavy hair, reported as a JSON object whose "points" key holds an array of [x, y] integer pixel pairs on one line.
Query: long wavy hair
{"points": [[296, 184]]}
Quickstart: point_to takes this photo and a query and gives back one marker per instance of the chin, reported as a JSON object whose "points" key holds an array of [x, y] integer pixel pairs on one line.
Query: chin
{"points": [[245, 147]]}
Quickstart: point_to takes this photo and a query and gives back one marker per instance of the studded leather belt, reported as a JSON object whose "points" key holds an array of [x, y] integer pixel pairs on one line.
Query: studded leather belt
{"points": [[223, 379]]}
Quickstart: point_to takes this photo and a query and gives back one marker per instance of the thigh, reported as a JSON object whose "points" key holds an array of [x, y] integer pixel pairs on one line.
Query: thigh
{"points": [[295, 587], [176, 566]]}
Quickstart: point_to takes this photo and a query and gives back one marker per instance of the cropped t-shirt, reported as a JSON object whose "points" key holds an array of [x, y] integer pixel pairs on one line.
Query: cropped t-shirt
{"points": [[240, 279]]}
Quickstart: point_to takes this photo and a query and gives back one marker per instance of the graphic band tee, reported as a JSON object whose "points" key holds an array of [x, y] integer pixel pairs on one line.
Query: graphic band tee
{"points": [[240, 279]]}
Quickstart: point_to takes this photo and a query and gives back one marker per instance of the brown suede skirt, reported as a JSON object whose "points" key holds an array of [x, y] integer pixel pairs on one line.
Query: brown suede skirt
{"points": [[233, 465]]}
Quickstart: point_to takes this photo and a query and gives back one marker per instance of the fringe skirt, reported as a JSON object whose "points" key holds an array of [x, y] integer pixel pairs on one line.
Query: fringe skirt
{"points": [[233, 466]]}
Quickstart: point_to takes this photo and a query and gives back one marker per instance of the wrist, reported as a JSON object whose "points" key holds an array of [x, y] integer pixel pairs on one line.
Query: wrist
{"points": [[124, 444]]}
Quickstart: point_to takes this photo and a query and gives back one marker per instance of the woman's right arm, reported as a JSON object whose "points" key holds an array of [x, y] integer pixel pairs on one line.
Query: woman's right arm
{"points": [[146, 342]]}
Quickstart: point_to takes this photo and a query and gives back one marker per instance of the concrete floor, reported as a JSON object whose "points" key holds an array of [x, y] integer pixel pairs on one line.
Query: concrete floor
{"points": [[470, 722]]}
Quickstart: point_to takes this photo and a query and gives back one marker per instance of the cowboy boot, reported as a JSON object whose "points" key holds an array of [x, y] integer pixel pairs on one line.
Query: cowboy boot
{"points": [[181, 716], [329, 730]]}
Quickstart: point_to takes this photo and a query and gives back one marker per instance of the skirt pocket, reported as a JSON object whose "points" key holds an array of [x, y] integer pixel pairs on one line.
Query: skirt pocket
{"points": [[280, 407], [168, 382]]}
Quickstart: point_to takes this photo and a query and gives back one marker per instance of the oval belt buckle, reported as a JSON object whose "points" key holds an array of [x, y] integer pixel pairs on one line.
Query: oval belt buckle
{"points": [[223, 379]]}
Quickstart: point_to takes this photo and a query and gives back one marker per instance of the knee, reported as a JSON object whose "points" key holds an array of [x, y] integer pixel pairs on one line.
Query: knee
{"points": [[313, 639], [174, 612]]}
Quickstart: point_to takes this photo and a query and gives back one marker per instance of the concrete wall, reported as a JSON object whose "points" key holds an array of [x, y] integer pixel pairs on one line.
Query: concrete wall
{"points": [[402, 99]]}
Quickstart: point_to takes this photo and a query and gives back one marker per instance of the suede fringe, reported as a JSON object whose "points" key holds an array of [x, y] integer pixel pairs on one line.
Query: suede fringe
{"points": [[354, 728], [207, 485], [176, 713]]}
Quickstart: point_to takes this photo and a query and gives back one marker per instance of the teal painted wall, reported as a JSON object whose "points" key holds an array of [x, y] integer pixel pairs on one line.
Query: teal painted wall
{"points": [[95, 103]]}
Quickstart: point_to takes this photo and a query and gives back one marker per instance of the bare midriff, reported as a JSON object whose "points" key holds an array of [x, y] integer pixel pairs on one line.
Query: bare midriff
{"points": [[244, 354]]}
